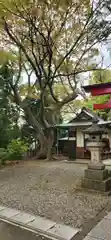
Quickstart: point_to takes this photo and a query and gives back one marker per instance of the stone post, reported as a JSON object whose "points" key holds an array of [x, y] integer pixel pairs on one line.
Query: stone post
{"points": [[109, 136]]}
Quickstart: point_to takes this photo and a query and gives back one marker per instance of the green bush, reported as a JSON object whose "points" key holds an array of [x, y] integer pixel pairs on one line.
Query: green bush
{"points": [[16, 149], [3, 155]]}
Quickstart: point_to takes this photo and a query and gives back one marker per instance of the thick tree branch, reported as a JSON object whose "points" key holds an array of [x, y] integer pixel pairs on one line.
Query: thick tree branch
{"points": [[78, 72], [19, 44], [20, 68], [83, 32]]}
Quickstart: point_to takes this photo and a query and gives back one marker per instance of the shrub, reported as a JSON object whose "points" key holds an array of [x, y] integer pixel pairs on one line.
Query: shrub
{"points": [[16, 149], [3, 155]]}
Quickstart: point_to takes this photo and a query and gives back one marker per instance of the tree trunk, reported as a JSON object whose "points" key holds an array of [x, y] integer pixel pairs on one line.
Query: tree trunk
{"points": [[46, 142], [42, 153], [50, 145]]}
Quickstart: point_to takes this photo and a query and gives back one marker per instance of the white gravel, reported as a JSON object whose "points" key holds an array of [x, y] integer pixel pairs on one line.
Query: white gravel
{"points": [[49, 189]]}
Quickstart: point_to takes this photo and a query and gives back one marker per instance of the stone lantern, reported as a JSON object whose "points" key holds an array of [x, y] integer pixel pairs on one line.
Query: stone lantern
{"points": [[96, 176], [95, 145]]}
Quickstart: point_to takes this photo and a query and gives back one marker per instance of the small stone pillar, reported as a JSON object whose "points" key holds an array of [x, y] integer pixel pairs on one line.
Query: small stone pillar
{"points": [[109, 136], [96, 176]]}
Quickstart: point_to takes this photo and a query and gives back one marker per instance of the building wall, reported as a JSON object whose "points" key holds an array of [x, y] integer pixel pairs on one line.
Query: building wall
{"points": [[74, 145], [79, 138], [79, 143]]}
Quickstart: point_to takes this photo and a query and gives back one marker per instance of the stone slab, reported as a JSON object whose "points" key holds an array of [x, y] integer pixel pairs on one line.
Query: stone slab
{"points": [[2, 208], [96, 166], [23, 218], [41, 223], [8, 212], [43, 226], [102, 230], [97, 184], [108, 216], [91, 238], [62, 231], [96, 174]]}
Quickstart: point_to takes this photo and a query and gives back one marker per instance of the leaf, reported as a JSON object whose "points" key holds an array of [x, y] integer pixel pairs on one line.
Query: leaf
{"points": [[6, 56]]}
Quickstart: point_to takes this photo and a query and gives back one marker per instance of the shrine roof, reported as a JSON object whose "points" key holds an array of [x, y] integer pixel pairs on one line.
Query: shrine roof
{"points": [[86, 115], [95, 129], [88, 88], [75, 125]]}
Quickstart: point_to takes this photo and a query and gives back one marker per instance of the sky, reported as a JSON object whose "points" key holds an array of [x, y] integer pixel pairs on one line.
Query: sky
{"points": [[106, 53]]}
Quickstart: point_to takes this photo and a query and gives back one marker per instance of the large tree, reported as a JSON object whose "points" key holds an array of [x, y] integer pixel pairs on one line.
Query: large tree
{"points": [[51, 41]]}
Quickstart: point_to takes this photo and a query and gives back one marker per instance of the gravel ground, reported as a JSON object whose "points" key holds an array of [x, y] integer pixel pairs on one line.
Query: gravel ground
{"points": [[49, 189]]}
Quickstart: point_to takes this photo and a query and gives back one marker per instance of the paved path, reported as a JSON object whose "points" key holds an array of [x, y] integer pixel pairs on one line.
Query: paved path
{"points": [[11, 232], [102, 231]]}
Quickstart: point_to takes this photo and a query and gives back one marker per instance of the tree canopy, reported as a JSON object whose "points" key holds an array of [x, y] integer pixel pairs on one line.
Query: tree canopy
{"points": [[51, 42]]}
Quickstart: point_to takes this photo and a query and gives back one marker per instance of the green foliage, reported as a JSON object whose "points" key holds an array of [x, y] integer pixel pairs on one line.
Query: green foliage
{"points": [[16, 149], [3, 155], [98, 100], [6, 56], [71, 109], [9, 112], [100, 76], [28, 133]]}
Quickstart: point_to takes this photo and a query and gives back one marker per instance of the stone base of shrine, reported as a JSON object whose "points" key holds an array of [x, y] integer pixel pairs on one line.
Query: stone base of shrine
{"points": [[97, 179]]}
